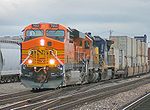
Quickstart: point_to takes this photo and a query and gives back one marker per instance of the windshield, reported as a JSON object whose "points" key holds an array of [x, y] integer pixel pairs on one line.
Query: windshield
{"points": [[56, 34], [34, 33]]}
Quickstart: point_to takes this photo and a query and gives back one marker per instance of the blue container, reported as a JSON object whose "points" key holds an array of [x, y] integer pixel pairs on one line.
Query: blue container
{"points": [[141, 38]]}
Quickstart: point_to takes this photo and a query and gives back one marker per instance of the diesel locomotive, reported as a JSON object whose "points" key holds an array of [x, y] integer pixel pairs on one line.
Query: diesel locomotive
{"points": [[53, 55]]}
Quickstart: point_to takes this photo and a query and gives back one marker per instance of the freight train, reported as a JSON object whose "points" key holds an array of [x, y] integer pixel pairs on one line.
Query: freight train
{"points": [[53, 55], [9, 62]]}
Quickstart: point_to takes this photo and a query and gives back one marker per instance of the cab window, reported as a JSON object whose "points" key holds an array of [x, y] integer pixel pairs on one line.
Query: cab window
{"points": [[56, 34], [30, 34], [34, 33], [86, 45], [80, 44]]}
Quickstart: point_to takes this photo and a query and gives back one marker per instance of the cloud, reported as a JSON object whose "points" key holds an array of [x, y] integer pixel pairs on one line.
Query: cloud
{"points": [[97, 16]]}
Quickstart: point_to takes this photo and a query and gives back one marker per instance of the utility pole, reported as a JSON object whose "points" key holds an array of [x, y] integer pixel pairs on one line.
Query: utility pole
{"points": [[110, 32]]}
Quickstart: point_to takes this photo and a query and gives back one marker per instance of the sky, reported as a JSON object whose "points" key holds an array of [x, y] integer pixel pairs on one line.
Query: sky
{"points": [[122, 17]]}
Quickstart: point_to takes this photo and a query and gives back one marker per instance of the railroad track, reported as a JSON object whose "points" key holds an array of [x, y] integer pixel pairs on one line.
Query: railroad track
{"points": [[70, 96], [135, 104], [5, 96], [28, 97], [70, 101]]}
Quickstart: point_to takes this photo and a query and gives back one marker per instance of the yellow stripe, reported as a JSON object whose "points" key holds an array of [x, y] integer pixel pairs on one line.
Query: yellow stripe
{"points": [[58, 51], [25, 51]]}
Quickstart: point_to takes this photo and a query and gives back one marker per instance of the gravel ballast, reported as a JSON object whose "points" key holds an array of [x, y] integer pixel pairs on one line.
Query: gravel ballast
{"points": [[11, 88], [117, 101]]}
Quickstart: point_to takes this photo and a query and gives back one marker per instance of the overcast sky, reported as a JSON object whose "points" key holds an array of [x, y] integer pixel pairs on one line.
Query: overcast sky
{"points": [[124, 17]]}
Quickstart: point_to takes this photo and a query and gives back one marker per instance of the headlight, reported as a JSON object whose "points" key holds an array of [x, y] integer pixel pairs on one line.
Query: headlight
{"points": [[30, 61], [42, 42], [52, 61]]}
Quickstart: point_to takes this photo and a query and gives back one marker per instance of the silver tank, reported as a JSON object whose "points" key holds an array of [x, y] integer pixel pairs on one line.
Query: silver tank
{"points": [[9, 62]]}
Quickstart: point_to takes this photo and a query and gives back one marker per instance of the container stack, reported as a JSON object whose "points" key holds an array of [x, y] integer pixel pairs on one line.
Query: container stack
{"points": [[132, 53], [139, 53], [123, 44], [142, 54]]}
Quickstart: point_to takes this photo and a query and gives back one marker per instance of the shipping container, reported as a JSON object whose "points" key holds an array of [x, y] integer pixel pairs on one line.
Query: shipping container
{"points": [[136, 70], [139, 59], [128, 61], [143, 48], [143, 60], [141, 38], [122, 43], [119, 59], [146, 50], [133, 52], [146, 59], [148, 67], [138, 48], [140, 69], [111, 57], [130, 71], [144, 69]]}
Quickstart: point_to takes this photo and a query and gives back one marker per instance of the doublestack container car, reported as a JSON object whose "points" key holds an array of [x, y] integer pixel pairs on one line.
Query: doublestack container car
{"points": [[131, 54]]}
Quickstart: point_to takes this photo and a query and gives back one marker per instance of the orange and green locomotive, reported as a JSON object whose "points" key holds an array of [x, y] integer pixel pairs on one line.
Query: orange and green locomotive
{"points": [[53, 55]]}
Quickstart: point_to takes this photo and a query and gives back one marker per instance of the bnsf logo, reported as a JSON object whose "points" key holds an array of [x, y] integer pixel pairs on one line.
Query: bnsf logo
{"points": [[45, 52]]}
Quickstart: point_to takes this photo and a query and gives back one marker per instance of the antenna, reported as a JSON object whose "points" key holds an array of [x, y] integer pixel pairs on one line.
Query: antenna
{"points": [[110, 32]]}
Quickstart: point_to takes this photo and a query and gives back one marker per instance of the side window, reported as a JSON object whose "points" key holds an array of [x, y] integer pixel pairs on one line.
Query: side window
{"points": [[80, 44], [102, 47], [86, 45]]}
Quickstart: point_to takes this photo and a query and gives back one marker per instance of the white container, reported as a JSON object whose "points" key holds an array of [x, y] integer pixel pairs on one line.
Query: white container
{"points": [[143, 60], [133, 61], [133, 48], [139, 59], [146, 49], [133, 52], [116, 53], [128, 61], [146, 59], [111, 57], [143, 47], [10, 58], [122, 43], [138, 48], [119, 59]]}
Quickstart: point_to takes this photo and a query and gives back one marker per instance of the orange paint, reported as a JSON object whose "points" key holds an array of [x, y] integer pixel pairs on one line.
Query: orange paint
{"points": [[50, 44]]}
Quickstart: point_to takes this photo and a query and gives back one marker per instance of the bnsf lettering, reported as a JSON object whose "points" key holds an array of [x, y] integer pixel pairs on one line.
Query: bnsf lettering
{"points": [[41, 52]]}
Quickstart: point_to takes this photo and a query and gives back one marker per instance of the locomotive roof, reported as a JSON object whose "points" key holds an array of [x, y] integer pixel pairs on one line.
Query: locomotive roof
{"points": [[30, 26]]}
